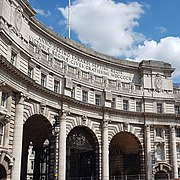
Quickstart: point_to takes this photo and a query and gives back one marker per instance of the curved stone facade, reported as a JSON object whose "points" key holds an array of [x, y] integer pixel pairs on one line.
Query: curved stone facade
{"points": [[79, 113]]}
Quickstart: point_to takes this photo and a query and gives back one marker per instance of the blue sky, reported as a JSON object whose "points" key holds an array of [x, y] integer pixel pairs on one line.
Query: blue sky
{"points": [[134, 30]]}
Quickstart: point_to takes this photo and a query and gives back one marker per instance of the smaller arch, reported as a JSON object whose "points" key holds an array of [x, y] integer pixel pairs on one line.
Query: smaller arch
{"points": [[162, 171]]}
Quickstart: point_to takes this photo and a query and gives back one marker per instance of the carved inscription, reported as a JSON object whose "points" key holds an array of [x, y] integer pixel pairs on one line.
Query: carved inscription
{"points": [[76, 61]]}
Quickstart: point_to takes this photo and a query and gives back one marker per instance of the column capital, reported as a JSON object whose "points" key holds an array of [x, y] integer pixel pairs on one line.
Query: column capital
{"points": [[147, 127], [64, 113], [21, 97], [105, 123], [2, 83], [172, 128]]}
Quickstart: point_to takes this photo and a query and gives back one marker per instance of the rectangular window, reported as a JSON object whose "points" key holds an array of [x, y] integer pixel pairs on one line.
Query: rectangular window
{"points": [[84, 96], [113, 102], [73, 92], [97, 99], [160, 152], [177, 109], [178, 151], [13, 57], [178, 132], [3, 99], [138, 106], [125, 105], [56, 86], [1, 133], [32, 164], [43, 79], [159, 108], [158, 132], [30, 72]]}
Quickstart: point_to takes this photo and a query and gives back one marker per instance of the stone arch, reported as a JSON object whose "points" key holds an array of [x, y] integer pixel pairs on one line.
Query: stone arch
{"points": [[72, 122], [83, 153], [162, 170], [121, 127], [6, 163], [125, 156], [37, 130]]}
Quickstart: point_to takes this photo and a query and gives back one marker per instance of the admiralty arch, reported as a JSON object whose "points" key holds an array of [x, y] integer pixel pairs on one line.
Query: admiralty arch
{"points": [[69, 112]]}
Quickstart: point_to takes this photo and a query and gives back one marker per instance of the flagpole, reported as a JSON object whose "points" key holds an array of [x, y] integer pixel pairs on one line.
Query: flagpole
{"points": [[69, 24]]}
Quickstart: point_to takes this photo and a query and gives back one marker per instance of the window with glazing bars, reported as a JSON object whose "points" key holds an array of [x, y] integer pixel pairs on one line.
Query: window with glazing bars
{"points": [[30, 72], [56, 86], [13, 57], [125, 105], [84, 96], [98, 99], [159, 108], [43, 79], [177, 109], [138, 106], [3, 99]]}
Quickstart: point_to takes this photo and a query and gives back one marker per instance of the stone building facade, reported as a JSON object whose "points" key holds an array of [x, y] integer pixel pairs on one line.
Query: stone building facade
{"points": [[79, 113]]}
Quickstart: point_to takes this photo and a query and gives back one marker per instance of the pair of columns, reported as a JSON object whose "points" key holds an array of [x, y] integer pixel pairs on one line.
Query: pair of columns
{"points": [[18, 138], [149, 155], [62, 149]]}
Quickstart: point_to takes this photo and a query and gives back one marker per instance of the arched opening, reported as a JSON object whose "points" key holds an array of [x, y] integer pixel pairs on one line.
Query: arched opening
{"points": [[3, 173], [161, 175], [124, 157], [82, 154], [36, 152]]}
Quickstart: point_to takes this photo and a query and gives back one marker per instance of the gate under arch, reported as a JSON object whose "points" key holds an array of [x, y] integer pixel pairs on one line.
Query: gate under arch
{"points": [[82, 155], [37, 137], [125, 157]]}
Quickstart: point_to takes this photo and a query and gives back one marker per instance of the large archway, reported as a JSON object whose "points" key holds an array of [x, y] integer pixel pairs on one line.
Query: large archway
{"points": [[37, 136], [82, 154], [124, 157]]}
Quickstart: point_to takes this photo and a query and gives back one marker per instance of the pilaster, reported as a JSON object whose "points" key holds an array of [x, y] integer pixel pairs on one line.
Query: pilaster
{"points": [[105, 151], [173, 152], [62, 146], [18, 136], [148, 153]]}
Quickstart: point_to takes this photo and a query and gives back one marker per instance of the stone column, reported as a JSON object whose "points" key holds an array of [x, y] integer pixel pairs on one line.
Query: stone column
{"points": [[174, 152], [18, 137], [148, 153], [105, 151], [62, 147]]}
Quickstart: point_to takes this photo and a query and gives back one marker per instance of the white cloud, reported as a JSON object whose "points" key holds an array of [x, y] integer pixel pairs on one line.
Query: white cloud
{"points": [[105, 25], [108, 27], [42, 12], [168, 49]]}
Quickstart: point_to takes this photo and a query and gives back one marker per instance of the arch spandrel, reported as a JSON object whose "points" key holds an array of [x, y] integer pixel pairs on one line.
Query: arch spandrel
{"points": [[114, 129], [72, 122]]}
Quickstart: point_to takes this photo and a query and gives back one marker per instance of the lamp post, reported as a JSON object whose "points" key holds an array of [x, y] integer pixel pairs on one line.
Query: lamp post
{"points": [[56, 129]]}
